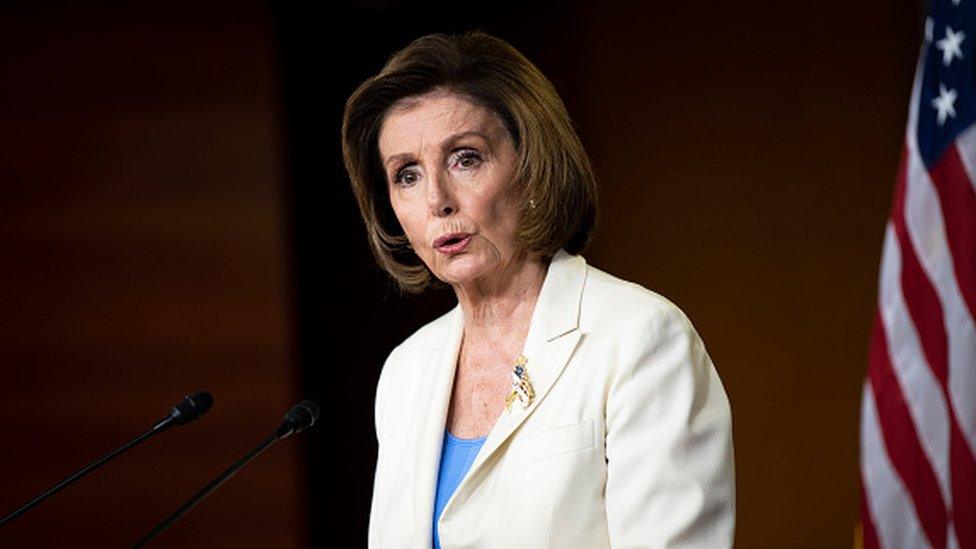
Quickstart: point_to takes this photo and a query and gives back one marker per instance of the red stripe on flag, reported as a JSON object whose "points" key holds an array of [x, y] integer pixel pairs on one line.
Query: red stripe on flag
{"points": [[958, 201], [902, 443], [869, 537], [963, 488], [920, 296], [928, 316]]}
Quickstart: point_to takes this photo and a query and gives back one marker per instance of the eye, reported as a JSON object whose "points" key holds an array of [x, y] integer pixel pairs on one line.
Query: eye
{"points": [[404, 177], [467, 159]]}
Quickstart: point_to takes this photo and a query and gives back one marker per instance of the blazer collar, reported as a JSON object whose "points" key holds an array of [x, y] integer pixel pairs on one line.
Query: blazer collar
{"points": [[558, 307], [552, 337]]}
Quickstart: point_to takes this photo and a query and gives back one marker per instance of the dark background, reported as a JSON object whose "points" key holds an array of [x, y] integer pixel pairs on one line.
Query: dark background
{"points": [[174, 216]]}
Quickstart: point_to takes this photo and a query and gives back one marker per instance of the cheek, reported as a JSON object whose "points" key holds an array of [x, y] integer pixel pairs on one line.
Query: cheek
{"points": [[412, 222], [505, 212], [402, 215]]}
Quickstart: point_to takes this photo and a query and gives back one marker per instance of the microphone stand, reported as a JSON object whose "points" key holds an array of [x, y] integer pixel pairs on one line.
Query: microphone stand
{"points": [[206, 491], [300, 417], [185, 411]]}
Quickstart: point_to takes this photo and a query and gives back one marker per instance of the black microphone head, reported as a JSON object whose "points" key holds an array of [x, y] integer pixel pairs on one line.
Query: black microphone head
{"points": [[191, 407], [300, 417]]}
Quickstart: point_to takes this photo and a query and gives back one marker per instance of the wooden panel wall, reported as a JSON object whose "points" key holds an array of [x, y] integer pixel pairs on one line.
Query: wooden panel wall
{"points": [[142, 245], [747, 155]]}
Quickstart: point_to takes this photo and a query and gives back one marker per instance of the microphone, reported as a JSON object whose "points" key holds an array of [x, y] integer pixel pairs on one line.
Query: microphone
{"points": [[185, 411], [300, 417]]}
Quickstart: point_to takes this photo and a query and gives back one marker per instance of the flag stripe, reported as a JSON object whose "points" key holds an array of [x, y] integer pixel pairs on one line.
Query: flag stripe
{"points": [[958, 203], [869, 536], [940, 327], [924, 222], [954, 461], [885, 495], [910, 374], [920, 296], [901, 442], [963, 491]]}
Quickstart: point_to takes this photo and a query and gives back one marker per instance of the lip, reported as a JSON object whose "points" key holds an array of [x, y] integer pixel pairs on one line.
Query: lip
{"points": [[452, 243]]}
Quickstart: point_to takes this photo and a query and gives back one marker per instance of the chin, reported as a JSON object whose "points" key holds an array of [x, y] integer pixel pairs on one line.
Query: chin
{"points": [[462, 268]]}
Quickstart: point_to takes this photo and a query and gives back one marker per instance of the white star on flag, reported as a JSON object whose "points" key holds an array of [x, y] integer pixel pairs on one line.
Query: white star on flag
{"points": [[944, 103], [950, 45]]}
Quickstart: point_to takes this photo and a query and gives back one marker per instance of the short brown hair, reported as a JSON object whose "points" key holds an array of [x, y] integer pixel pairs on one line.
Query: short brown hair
{"points": [[552, 168]]}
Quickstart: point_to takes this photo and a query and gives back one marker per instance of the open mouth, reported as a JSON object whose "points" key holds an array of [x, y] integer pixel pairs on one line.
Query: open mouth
{"points": [[452, 242]]}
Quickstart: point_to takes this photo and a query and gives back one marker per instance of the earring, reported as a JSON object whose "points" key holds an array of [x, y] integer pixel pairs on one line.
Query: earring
{"points": [[532, 204]]}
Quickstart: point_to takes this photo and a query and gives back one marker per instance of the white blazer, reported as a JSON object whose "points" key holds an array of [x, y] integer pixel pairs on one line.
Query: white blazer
{"points": [[627, 443]]}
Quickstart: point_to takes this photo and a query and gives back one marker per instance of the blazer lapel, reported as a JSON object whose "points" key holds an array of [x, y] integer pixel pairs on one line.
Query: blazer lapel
{"points": [[434, 396], [552, 338]]}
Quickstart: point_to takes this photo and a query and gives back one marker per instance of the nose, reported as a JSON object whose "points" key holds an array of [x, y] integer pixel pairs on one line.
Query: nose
{"points": [[440, 197]]}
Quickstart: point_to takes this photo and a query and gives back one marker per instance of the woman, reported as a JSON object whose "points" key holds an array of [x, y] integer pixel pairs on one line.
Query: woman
{"points": [[555, 405]]}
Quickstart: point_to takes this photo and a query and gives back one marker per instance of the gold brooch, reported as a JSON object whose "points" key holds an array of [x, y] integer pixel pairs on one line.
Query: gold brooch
{"points": [[521, 386]]}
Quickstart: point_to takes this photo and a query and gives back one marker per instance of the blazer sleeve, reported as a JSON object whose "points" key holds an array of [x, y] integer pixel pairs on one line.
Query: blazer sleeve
{"points": [[670, 473]]}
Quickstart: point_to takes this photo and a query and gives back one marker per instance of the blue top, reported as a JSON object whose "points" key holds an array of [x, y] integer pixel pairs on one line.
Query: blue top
{"points": [[457, 455]]}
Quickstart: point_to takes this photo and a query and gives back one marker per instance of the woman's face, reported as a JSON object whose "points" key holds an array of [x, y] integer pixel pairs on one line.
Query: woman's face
{"points": [[449, 165]]}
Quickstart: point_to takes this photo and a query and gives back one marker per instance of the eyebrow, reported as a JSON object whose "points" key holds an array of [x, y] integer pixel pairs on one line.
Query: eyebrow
{"points": [[448, 142]]}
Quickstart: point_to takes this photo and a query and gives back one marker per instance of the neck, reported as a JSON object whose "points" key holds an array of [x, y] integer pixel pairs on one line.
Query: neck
{"points": [[504, 302]]}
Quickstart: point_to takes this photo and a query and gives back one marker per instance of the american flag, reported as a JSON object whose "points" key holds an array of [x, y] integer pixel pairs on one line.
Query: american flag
{"points": [[918, 411]]}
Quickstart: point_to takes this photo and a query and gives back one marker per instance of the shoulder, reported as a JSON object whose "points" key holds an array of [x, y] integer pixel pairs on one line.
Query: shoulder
{"points": [[428, 336], [405, 359], [641, 330], [612, 301], [653, 347]]}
